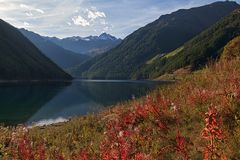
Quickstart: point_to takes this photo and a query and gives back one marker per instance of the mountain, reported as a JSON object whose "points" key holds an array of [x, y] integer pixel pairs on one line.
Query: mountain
{"points": [[62, 57], [92, 45], [162, 36], [21, 60], [196, 53]]}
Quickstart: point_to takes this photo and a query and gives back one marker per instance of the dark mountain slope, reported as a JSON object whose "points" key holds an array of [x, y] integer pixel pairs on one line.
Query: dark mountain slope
{"points": [[162, 36], [62, 57], [197, 52], [21, 60]]}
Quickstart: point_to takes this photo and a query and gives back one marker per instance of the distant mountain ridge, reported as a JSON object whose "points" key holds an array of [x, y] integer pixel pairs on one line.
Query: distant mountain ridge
{"points": [[103, 36], [91, 45], [21, 60], [62, 57], [162, 36]]}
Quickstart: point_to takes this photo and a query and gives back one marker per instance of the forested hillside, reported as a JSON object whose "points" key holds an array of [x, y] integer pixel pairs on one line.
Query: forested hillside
{"points": [[21, 60], [162, 36], [197, 52]]}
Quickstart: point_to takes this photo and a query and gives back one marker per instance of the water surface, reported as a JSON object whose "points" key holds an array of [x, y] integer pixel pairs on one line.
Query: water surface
{"points": [[49, 102]]}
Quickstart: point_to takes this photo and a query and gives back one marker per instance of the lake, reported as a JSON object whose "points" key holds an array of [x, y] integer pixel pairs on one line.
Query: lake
{"points": [[55, 102]]}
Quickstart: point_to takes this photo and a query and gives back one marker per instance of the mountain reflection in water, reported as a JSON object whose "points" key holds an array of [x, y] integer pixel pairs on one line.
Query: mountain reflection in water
{"points": [[43, 102]]}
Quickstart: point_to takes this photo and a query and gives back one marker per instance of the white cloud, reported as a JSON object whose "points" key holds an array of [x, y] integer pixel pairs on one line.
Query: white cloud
{"points": [[92, 15], [65, 17], [5, 6], [89, 17], [56, 17], [80, 21], [26, 24], [31, 8], [29, 14]]}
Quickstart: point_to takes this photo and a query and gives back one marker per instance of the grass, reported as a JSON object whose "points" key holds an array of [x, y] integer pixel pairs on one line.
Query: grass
{"points": [[195, 118], [168, 55], [154, 58], [173, 53]]}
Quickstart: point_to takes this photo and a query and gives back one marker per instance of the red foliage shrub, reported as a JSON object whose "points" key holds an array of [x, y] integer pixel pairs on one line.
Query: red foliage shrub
{"points": [[25, 149], [41, 152], [181, 146], [213, 133]]}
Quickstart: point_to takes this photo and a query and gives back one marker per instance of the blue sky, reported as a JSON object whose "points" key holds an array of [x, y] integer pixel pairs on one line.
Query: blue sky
{"points": [[63, 18]]}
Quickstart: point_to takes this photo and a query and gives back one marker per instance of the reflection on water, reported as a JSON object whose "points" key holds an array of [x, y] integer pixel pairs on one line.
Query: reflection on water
{"points": [[19, 103], [28, 104]]}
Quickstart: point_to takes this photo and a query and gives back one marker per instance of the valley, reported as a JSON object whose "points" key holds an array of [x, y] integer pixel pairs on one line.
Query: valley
{"points": [[169, 89]]}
